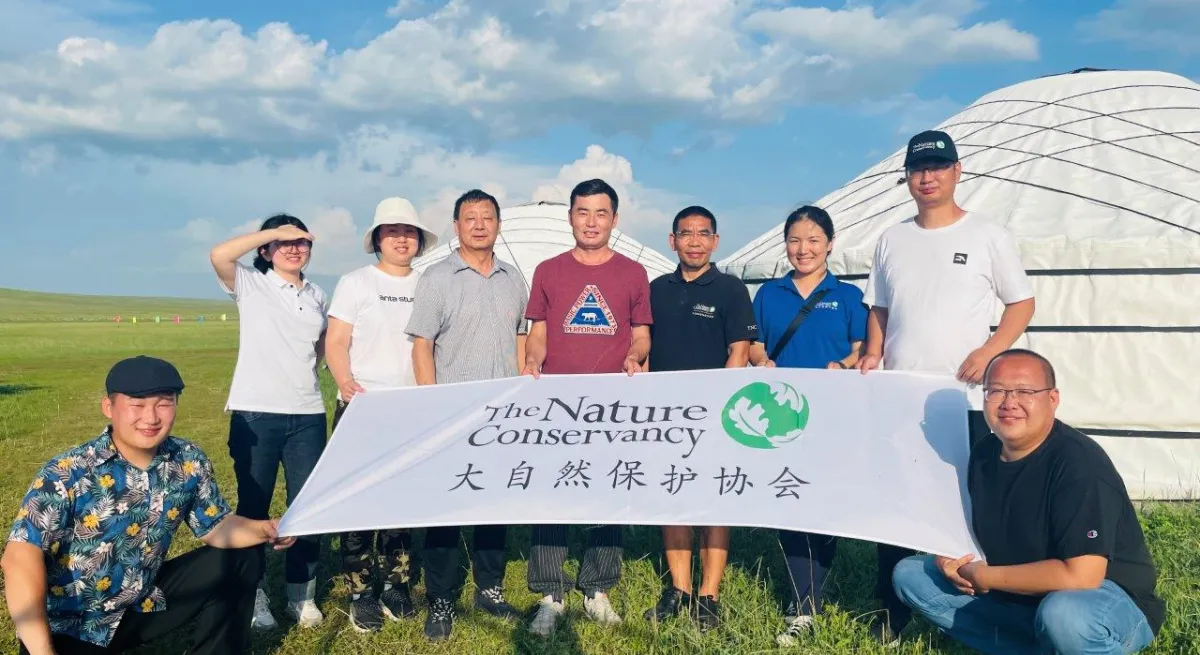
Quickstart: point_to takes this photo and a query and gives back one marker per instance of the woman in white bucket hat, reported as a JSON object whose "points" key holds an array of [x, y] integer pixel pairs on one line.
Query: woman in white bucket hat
{"points": [[367, 348]]}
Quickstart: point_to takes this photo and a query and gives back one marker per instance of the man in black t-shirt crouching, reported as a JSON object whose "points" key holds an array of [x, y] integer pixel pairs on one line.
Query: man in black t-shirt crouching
{"points": [[1067, 567]]}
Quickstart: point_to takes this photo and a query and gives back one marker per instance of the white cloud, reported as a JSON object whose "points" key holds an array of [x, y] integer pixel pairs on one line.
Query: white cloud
{"points": [[39, 158], [911, 113], [200, 230], [640, 209], [1170, 25], [480, 72], [335, 194]]}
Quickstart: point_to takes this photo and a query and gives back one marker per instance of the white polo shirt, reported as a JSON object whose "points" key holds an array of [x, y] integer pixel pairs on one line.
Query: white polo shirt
{"points": [[280, 325], [378, 305], [940, 287]]}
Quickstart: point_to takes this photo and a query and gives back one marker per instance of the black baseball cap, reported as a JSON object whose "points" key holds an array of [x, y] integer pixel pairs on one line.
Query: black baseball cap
{"points": [[932, 146], [142, 376]]}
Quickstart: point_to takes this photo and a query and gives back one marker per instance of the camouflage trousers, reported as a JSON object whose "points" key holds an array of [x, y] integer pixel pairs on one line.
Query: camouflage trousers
{"points": [[365, 552]]}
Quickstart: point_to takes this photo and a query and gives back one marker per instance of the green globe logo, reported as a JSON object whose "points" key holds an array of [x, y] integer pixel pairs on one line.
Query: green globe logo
{"points": [[765, 415]]}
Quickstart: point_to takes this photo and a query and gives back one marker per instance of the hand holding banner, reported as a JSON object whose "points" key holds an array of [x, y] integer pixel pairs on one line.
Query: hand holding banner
{"points": [[880, 457]]}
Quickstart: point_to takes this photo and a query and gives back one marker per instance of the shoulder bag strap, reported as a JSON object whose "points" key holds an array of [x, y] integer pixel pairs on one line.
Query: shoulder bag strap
{"points": [[800, 316]]}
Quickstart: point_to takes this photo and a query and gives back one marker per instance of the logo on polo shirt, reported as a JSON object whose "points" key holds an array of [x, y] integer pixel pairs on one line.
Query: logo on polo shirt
{"points": [[590, 314], [960, 258], [705, 311], [826, 304], [765, 415]]}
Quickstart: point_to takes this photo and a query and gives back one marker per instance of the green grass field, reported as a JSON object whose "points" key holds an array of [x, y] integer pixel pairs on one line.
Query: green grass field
{"points": [[51, 379], [18, 306]]}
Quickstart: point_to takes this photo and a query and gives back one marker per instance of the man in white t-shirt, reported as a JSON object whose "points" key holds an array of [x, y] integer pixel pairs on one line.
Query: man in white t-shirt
{"points": [[933, 289], [368, 349]]}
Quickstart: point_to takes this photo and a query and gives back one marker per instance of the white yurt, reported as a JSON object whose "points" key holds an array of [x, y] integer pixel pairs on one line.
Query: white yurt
{"points": [[534, 232], [1097, 175]]}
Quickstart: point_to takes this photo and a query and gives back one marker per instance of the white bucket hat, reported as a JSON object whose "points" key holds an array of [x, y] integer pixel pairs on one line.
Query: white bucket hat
{"points": [[398, 211]]}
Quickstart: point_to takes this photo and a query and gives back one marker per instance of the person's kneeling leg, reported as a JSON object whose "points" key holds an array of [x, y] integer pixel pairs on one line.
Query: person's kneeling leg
{"points": [[983, 622], [1103, 620], [210, 589]]}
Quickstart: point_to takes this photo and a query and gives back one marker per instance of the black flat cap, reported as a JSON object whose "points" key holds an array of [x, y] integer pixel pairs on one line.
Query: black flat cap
{"points": [[142, 376]]}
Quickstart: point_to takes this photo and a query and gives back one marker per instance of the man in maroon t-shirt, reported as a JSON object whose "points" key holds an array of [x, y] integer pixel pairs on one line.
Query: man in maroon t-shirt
{"points": [[590, 313]]}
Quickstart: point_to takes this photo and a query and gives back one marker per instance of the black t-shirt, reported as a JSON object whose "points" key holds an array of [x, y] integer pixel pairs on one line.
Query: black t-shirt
{"points": [[694, 322], [1063, 500]]}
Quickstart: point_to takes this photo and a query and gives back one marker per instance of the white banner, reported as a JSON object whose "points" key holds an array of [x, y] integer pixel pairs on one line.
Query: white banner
{"points": [[880, 457]]}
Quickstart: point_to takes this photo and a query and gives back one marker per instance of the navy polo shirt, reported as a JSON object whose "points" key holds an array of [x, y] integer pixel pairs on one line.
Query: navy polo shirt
{"points": [[825, 336], [695, 322]]}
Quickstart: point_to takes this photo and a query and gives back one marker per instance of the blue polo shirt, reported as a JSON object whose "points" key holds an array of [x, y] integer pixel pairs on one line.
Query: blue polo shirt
{"points": [[837, 321]]}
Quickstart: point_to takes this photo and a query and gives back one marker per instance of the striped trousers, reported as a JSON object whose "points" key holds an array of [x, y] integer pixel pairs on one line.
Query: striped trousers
{"points": [[599, 569]]}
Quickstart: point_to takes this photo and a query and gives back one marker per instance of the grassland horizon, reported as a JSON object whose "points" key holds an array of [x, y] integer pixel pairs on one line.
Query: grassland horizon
{"points": [[52, 368]]}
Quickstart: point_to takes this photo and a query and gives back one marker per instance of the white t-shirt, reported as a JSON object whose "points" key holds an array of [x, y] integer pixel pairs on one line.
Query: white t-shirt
{"points": [[378, 305], [940, 287], [279, 326]]}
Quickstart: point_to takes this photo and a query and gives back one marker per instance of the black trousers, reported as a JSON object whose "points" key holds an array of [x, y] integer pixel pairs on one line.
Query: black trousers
{"points": [[600, 569], [809, 558], [443, 573], [258, 443], [210, 589]]}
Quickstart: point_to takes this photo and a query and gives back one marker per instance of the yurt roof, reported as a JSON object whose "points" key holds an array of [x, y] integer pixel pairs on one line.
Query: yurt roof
{"points": [[1088, 170], [534, 232]]}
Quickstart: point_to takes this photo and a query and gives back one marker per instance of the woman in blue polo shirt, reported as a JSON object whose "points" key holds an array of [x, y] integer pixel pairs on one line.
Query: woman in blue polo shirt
{"points": [[808, 319]]}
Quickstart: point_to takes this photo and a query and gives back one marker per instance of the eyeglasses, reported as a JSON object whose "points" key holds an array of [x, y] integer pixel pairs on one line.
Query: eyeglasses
{"points": [[702, 234], [994, 395], [933, 167], [298, 245]]}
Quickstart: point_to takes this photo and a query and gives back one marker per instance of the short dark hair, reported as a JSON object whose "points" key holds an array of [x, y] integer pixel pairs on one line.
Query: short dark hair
{"points": [[420, 240], [473, 196], [812, 213], [262, 263], [1047, 367], [594, 188], [694, 210]]}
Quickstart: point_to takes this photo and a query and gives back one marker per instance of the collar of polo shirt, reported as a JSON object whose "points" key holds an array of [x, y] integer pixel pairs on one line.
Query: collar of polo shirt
{"points": [[282, 283], [461, 265], [830, 281], [705, 277]]}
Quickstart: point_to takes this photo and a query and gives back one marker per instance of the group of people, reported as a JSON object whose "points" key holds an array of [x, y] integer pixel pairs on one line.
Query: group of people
{"points": [[1065, 566]]}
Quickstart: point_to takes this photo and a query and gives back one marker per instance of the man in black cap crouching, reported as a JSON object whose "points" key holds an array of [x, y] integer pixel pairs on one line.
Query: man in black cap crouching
{"points": [[84, 566]]}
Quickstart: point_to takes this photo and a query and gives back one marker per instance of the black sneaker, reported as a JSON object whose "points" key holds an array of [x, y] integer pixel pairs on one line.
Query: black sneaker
{"points": [[492, 601], [708, 612], [670, 604], [791, 611], [440, 620], [882, 633], [366, 614], [397, 604]]}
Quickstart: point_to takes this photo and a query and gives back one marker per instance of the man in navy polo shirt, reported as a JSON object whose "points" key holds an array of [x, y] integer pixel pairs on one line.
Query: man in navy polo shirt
{"points": [[702, 319]]}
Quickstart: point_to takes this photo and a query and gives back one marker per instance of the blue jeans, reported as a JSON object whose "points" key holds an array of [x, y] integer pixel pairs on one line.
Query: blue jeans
{"points": [[258, 443], [1100, 621]]}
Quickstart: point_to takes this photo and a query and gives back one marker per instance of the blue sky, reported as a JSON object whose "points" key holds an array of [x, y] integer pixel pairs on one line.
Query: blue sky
{"points": [[135, 135]]}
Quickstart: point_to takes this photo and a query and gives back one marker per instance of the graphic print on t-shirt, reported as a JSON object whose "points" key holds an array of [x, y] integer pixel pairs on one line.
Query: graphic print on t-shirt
{"points": [[590, 314]]}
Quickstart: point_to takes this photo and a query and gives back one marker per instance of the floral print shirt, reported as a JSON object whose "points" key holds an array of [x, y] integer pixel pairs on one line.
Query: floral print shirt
{"points": [[105, 527]]}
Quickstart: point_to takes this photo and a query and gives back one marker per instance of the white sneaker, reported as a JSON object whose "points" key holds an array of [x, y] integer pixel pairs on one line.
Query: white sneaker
{"points": [[263, 619], [799, 626], [547, 615], [305, 613], [600, 610]]}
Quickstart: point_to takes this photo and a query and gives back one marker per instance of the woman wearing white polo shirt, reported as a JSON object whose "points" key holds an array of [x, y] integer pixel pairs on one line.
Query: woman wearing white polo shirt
{"points": [[277, 415], [367, 349]]}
